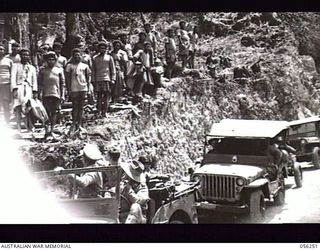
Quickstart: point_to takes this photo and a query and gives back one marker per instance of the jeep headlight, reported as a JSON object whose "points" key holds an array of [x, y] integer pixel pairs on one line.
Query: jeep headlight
{"points": [[240, 181], [196, 178], [303, 141]]}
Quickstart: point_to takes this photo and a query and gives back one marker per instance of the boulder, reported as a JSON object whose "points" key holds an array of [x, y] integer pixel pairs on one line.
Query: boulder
{"points": [[271, 18], [308, 64], [255, 68], [240, 72], [247, 41], [241, 24], [191, 72], [216, 27], [255, 18], [241, 15]]}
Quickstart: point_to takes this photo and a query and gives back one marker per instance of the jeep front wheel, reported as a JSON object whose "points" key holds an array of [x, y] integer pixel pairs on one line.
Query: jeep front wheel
{"points": [[257, 206], [315, 157], [280, 198]]}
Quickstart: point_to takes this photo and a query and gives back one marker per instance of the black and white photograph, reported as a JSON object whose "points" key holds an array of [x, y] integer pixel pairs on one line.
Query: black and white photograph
{"points": [[160, 117]]}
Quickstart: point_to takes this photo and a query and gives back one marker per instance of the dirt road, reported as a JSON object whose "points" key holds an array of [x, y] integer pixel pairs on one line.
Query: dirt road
{"points": [[302, 204]]}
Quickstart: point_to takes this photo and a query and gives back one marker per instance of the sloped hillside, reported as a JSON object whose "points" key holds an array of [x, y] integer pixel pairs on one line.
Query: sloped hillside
{"points": [[256, 71]]}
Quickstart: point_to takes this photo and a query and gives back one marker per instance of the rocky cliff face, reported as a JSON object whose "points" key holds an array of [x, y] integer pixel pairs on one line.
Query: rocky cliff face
{"points": [[262, 66]]}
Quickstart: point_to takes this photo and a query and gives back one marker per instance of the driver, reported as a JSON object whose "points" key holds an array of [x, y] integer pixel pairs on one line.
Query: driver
{"points": [[90, 183]]}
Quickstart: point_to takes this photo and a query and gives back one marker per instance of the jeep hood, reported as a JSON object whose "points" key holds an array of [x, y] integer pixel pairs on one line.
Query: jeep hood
{"points": [[246, 171], [310, 139]]}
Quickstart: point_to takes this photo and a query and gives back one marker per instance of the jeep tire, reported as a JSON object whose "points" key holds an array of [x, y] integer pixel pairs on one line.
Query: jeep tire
{"points": [[280, 198], [297, 174], [315, 157], [257, 206]]}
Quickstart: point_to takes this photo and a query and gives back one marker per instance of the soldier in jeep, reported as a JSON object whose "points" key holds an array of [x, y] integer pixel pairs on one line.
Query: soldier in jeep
{"points": [[90, 183], [135, 193]]}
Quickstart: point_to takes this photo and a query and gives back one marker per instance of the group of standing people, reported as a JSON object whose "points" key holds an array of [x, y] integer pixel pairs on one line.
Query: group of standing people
{"points": [[103, 74]]}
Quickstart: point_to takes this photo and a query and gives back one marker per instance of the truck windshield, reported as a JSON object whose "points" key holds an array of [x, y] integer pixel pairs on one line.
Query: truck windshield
{"points": [[241, 146]]}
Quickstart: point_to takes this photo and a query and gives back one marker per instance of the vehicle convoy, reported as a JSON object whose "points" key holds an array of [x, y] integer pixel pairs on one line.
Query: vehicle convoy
{"points": [[168, 203], [304, 136], [245, 166]]}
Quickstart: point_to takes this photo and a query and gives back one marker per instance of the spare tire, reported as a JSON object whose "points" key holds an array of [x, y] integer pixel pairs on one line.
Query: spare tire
{"points": [[315, 157]]}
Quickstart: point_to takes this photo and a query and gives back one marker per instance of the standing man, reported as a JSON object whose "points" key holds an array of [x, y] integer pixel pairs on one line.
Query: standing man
{"points": [[120, 58], [78, 78], [170, 53], [14, 55], [52, 82], [184, 43], [6, 65], [129, 77], [103, 77], [145, 58], [140, 44], [24, 84], [126, 46], [194, 37], [151, 37], [61, 60]]}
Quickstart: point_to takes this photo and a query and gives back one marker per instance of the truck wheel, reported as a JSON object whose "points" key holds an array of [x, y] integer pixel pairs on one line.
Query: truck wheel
{"points": [[297, 175], [280, 198], [257, 206], [315, 157]]}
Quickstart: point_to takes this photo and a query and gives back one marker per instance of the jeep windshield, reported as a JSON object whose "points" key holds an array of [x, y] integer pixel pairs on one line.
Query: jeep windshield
{"points": [[236, 146]]}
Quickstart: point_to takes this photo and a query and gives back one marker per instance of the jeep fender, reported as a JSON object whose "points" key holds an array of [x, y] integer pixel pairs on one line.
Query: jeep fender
{"points": [[182, 207], [262, 184]]}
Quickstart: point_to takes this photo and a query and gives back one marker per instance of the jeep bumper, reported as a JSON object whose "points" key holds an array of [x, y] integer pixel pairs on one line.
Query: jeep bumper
{"points": [[237, 209], [304, 157]]}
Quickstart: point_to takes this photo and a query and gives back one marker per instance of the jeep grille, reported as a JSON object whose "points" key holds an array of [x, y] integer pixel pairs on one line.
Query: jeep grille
{"points": [[216, 187]]}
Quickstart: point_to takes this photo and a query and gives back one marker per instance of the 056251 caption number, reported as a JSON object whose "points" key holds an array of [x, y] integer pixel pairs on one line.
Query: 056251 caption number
{"points": [[309, 246]]}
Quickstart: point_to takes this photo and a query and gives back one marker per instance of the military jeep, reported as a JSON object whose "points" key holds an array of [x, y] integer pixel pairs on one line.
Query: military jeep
{"points": [[168, 203], [238, 174], [304, 136]]}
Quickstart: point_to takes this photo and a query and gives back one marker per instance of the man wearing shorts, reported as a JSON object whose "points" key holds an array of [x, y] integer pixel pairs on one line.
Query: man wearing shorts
{"points": [[52, 81], [103, 76], [5, 83], [78, 78]]}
